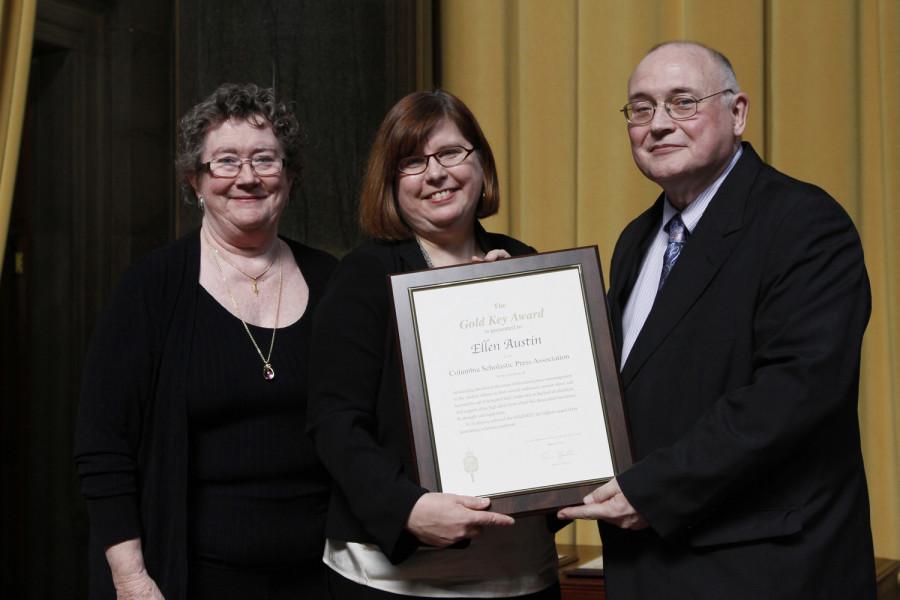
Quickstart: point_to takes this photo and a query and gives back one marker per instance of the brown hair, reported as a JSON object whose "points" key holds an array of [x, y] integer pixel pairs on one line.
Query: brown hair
{"points": [[404, 132], [258, 106]]}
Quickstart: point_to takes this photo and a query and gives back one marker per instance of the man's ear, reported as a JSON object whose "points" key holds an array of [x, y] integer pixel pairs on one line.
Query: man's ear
{"points": [[739, 108]]}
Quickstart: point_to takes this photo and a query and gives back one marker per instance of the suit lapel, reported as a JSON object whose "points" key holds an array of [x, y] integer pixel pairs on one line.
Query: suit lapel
{"points": [[709, 246]]}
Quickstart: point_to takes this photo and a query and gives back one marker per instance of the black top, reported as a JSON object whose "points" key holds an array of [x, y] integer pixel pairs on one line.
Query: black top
{"points": [[258, 493], [357, 411], [131, 439]]}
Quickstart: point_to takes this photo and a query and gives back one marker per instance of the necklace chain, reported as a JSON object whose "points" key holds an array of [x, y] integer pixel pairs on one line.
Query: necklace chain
{"points": [[424, 252], [256, 279], [268, 371]]}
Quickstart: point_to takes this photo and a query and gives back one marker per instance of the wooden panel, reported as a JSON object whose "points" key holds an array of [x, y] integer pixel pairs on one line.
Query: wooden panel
{"points": [[574, 583], [887, 574], [96, 191], [343, 63], [574, 587]]}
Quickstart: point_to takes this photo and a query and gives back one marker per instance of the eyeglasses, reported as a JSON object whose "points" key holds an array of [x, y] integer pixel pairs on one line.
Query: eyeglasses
{"points": [[679, 107], [228, 166], [446, 157]]}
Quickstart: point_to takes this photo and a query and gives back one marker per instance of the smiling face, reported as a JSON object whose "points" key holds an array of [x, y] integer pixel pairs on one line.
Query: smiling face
{"points": [[684, 157], [246, 205], [442, 200]]}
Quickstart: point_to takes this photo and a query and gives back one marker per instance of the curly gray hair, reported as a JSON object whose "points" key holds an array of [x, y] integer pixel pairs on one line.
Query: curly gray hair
{"points": [[256, 105]]}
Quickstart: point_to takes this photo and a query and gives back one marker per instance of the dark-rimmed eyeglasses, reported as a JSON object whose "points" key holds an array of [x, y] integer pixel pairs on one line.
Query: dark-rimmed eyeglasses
{"points": [[446, 157], [679, 107], [228, 166]]}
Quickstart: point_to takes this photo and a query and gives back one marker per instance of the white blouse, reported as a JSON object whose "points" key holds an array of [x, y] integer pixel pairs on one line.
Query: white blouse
{"points": [[499, 563]]}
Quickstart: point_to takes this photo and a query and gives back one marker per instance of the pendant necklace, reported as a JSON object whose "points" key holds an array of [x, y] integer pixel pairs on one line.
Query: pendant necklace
{"points": [[268, 371]]}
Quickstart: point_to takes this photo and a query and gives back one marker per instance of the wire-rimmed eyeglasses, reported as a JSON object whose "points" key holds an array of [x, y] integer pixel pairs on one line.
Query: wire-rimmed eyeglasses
{"points": [[679, 107], [229, 165]]}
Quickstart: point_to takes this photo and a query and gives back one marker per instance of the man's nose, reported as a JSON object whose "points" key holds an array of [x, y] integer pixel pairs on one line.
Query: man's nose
{"points": [[661, 120]]}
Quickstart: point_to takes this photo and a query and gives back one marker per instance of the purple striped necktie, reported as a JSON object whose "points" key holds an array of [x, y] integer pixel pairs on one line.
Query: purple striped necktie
{"points": [[678, 235]]}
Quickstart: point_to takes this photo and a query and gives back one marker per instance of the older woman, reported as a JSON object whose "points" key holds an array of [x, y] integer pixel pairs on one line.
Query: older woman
{"points": [[190, 444], [430, 176]]}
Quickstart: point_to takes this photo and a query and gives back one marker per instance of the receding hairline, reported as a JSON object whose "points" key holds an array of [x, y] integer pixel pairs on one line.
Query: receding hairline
{"points": [[726, 70]]}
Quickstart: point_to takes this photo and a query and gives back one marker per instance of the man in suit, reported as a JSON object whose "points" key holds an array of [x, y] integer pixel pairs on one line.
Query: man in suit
{"points": [[739, 301]]}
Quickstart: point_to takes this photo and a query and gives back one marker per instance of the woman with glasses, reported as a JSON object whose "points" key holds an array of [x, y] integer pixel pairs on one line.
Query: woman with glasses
{"points": [[199, 479], [430, 177]]}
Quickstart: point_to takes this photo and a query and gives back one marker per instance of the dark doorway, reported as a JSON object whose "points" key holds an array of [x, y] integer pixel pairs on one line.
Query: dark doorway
{"points": [[39, 355], [78, 218]]}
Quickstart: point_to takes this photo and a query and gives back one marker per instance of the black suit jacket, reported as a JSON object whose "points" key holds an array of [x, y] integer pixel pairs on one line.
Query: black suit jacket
{"points": [[357, 411], [741, 393]]}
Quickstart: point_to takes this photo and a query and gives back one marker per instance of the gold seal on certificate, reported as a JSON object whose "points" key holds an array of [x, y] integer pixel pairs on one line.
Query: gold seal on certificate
{"points": [[470, 464], [513, 358]]}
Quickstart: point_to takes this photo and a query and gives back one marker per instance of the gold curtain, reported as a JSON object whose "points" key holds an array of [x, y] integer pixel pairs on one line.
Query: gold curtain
{"points": [[16, 31], [546, 79]]}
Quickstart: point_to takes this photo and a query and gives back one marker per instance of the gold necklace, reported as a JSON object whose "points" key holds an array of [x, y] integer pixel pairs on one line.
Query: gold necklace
{"points": [[268, 371], [256, 279]]}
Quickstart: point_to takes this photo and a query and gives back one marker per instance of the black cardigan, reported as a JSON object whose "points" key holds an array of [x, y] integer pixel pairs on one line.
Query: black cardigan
{"points": [[356, 411], [131, 439]]}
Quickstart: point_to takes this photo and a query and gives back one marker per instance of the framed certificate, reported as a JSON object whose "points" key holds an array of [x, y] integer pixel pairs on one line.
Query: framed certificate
{"points": [[511, 380]]}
